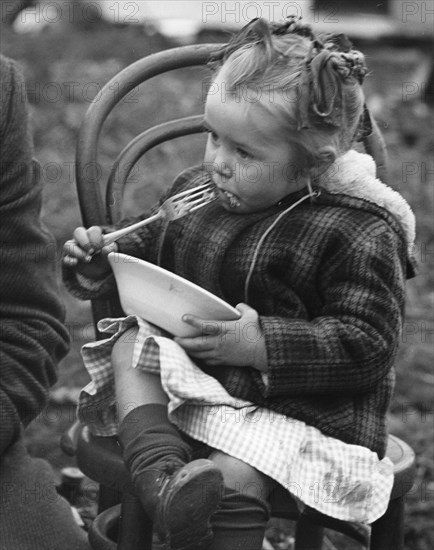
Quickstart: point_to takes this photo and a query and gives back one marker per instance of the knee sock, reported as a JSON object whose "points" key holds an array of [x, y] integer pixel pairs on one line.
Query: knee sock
{"points": [[149, 438], [179, 498], [239, 523], [151, 443]]}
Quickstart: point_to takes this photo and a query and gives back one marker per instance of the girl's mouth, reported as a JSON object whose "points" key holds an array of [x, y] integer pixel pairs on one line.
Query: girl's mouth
{"points": [[231, 200]]}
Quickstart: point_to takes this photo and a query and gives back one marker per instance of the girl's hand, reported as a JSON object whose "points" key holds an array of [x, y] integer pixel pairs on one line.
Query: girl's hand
{"points": [[86, 252], [239, 343]]}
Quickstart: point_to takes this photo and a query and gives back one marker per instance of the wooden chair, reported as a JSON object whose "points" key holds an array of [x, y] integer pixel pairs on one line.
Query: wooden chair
{"points": [[121, 523]]}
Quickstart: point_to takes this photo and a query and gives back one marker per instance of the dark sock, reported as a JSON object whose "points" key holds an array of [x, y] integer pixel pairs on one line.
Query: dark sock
{"points": [[151, 445], [239, 523], [177, 494]]}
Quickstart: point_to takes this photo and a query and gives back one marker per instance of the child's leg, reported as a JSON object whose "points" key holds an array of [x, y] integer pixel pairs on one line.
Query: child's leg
{"points": [[240, 521], [133, 387], [149, 440], [170, 487]]}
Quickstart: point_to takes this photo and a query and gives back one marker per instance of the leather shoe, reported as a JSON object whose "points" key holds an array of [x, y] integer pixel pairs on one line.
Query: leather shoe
{"points": [[183, 502]]}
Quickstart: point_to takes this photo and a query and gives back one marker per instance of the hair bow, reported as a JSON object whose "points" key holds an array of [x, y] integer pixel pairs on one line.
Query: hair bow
{"points": [[320, 88]]}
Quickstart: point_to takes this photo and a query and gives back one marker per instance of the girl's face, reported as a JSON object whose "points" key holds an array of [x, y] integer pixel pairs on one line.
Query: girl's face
{"points": [[250, 161]]}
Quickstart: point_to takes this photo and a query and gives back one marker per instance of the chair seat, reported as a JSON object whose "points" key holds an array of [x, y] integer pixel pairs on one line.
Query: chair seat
{"points": [[100, 458]]}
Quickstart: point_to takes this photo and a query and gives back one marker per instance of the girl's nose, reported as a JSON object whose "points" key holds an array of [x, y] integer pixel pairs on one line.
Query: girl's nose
{"points": [[224, 170]]}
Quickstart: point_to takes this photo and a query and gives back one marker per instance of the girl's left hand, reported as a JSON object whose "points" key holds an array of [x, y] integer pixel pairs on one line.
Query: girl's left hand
{"points": [[238, 343]]}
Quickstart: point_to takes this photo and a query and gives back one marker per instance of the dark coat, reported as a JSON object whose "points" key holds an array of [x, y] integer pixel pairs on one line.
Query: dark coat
{"points": [[33, 338], [328, 286]]}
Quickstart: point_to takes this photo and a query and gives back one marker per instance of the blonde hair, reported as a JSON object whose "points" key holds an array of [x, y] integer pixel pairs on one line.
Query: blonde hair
{"points": [[313, 87]]}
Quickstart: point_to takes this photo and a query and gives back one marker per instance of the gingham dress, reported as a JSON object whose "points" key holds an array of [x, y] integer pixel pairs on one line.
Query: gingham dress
{"points": [[341, 480]]}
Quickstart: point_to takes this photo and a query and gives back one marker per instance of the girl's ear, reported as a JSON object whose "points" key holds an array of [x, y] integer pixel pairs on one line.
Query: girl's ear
{"points": [[322, 159], [327, 154]]}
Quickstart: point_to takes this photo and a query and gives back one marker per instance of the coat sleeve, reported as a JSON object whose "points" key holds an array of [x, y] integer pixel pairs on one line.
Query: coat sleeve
{"points": [[33, 337], [136, 244], [352, 343], [142, 243]]}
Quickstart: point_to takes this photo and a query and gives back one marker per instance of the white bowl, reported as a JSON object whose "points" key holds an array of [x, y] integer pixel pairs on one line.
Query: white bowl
{"points": [[162, 298]]}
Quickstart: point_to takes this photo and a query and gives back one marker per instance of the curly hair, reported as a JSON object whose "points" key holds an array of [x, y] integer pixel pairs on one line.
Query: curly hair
{"points": [[312, 85]]}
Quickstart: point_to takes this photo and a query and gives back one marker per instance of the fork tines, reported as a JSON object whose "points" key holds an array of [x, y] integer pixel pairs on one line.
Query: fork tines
{"points": [[192, 199]]}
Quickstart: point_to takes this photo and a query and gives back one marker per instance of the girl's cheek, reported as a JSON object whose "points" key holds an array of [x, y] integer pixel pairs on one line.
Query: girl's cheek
{"points": [[245, 191], [252, 171], [209, 155]]}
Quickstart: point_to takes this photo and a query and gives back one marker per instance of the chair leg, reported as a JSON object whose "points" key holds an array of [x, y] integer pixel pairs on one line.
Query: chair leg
{"points": [[308, 536], [388, 531], [135, 529]]}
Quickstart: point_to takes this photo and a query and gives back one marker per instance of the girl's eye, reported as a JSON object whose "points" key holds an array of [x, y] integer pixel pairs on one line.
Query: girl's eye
{"points": [[214, 136], [243, 154]]}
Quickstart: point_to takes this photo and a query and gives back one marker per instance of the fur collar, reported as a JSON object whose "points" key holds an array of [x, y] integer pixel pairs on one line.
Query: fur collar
{"points": [[353, 174]]}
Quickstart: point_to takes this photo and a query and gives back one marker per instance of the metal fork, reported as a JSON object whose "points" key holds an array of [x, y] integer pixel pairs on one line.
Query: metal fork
{"points": [[173, 208]]}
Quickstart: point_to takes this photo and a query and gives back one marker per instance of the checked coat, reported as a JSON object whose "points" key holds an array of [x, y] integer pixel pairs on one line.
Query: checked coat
{"points": [[328, 284]]}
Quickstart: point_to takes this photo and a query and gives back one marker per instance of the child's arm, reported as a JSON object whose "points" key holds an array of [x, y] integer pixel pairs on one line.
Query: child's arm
{"points": [[86, 271], [347, 348], [87, 253], [85, 268], [351, 344], [237, 343]]}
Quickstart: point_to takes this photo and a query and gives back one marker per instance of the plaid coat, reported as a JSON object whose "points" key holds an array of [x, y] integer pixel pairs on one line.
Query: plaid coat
{"points": [[328, 285]]}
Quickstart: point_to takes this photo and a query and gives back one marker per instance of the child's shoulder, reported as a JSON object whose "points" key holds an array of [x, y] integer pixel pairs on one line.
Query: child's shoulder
{"points": [[343, 213], [338, 222], [361, 200]]}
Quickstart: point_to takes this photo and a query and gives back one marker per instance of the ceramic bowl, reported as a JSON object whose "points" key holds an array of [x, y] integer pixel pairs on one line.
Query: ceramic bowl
{"points": [[162, 298]]}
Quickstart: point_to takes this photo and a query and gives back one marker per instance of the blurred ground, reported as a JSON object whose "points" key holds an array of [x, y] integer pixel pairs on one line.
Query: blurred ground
{"points": [[66, 68]]}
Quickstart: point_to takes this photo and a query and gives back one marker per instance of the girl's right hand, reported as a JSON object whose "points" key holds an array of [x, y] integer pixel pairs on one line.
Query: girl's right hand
{"points": [[87, 253]]}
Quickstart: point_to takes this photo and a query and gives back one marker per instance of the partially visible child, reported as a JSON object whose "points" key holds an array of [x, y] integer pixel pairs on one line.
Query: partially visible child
{"points": [[313, 250], [33, 338]]}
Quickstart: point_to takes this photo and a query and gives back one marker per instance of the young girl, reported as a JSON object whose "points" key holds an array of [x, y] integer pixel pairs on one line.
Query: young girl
{"points": [[313, 250]]}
